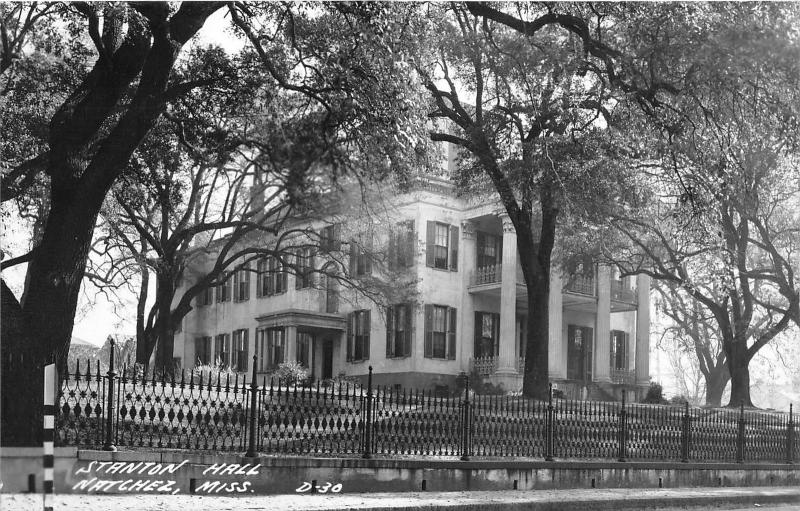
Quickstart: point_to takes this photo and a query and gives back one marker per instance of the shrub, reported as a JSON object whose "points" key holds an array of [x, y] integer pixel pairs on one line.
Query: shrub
{"points": [[291, 372], [655, 395], [212, 372], [678, 400]]}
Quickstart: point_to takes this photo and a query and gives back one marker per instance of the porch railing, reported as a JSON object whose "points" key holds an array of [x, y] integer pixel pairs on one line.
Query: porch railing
{"points": [[484, 366], [621, 293], [581, 284], [624, 376], [487, 275]]}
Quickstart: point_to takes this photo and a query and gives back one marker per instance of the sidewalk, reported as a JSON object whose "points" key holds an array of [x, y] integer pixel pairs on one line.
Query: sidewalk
{"points": [[538, 500]]}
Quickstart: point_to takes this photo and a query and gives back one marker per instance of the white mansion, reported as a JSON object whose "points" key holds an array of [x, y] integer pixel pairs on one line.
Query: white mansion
{"points": [[468, 314]]}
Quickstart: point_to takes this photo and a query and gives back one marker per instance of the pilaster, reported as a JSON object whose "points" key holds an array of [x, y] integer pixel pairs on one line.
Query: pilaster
{"points": [[643, 330], [602, 336], [557, 361]]}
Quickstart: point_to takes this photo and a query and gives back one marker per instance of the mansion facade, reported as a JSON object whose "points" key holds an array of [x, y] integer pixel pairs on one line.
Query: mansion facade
{"points": [[467, 314]]}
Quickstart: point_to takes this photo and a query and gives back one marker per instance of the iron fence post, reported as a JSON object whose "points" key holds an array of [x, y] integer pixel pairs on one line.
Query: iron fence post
{"points": [[548, 427], [465, 429], [109, 445], [790, 438], [740, 435], [623, 426], [368, 422], [685, 434], [251, 446]]}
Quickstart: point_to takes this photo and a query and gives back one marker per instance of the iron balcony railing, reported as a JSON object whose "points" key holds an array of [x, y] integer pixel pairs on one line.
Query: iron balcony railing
{"points": [[623, 376], [620, 293], [484, 366], [490, 274], [184, 411], [581, 284]]}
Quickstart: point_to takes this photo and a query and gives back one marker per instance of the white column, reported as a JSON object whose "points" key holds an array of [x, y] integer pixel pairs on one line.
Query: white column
{"points": [[291, 343], [557, 362], [602, 333], [643, 330], [508, 300], [467, 312]]}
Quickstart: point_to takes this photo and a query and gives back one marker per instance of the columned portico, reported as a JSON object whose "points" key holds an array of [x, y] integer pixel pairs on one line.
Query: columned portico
{"points": [[602, 339], [643, 330], [507, 374]]}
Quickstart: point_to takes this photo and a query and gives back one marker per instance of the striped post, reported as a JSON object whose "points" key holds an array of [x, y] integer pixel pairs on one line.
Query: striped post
{"points": [[49, 433]]}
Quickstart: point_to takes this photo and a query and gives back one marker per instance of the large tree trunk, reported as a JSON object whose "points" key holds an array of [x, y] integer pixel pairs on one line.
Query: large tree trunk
{"points": [[716, 381], [48, 307], [165, 340], [536, 262], [738, 364]]}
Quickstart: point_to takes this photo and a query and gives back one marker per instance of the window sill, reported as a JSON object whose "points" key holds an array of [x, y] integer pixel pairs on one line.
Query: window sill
{"points": [[442, 269], [445, 359], [398, 357], [358, 361]]}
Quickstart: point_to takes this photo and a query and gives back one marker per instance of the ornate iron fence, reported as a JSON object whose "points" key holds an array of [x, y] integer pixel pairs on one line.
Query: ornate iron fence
{"points": [[228, 413]]}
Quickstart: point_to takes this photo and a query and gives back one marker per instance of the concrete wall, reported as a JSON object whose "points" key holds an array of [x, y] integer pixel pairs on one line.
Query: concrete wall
{"points": [[284, 475]]}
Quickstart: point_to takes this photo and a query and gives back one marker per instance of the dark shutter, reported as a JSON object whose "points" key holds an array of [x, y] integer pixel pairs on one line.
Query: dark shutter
{"points": [[429, 328], [247, 281], [270, 276], [337, 237], [394, 236], [390, 332], [299, 269], [368, 253], [368, 328], [626, 339], [451, 333], [409, 331], [353, 258], [259, 278], [245, 348], [351, 331], [496, 333], [284, 276], [613, 350], [430, 240], [453, 258], [477, 337]]}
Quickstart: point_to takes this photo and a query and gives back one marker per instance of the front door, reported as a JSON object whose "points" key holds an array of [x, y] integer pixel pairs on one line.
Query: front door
{"points": [[579, 353], [327, 359]]}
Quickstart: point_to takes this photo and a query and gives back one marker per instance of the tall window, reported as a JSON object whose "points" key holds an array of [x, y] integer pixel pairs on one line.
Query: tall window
{"points": [[619, 349], [402, 241], [222, 349], [398, 330], [490, 249], [361, 255], [206, 297], [487, 334], [202, 350], [330, 238], [305, 349], [224, 288], [271, 277], [358, 323], [440, 332], [241, 284], [305, 268], [270, 348], [331, 294], [442, 246], [240, 349]]}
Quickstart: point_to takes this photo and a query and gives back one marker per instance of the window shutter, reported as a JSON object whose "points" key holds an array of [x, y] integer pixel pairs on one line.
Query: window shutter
{"points": [[430, 240], [353, 258], [394, 236], [453, 259], [299, 269], [259, 277], [429, 327], [476, 349], [350, 333], [368, 251], [451, 333], [284, 276], [613, 351], [410, 245], [389, 331], [337, 237], [627, 351], [247, 281], [271, 276], [409, 331], [496, 333], [368, 330]]}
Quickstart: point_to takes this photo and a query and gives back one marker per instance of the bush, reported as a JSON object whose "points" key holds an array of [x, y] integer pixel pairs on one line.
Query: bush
{"points": [[291, 372], [678, 400], [212, 372], [655, 395]]}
